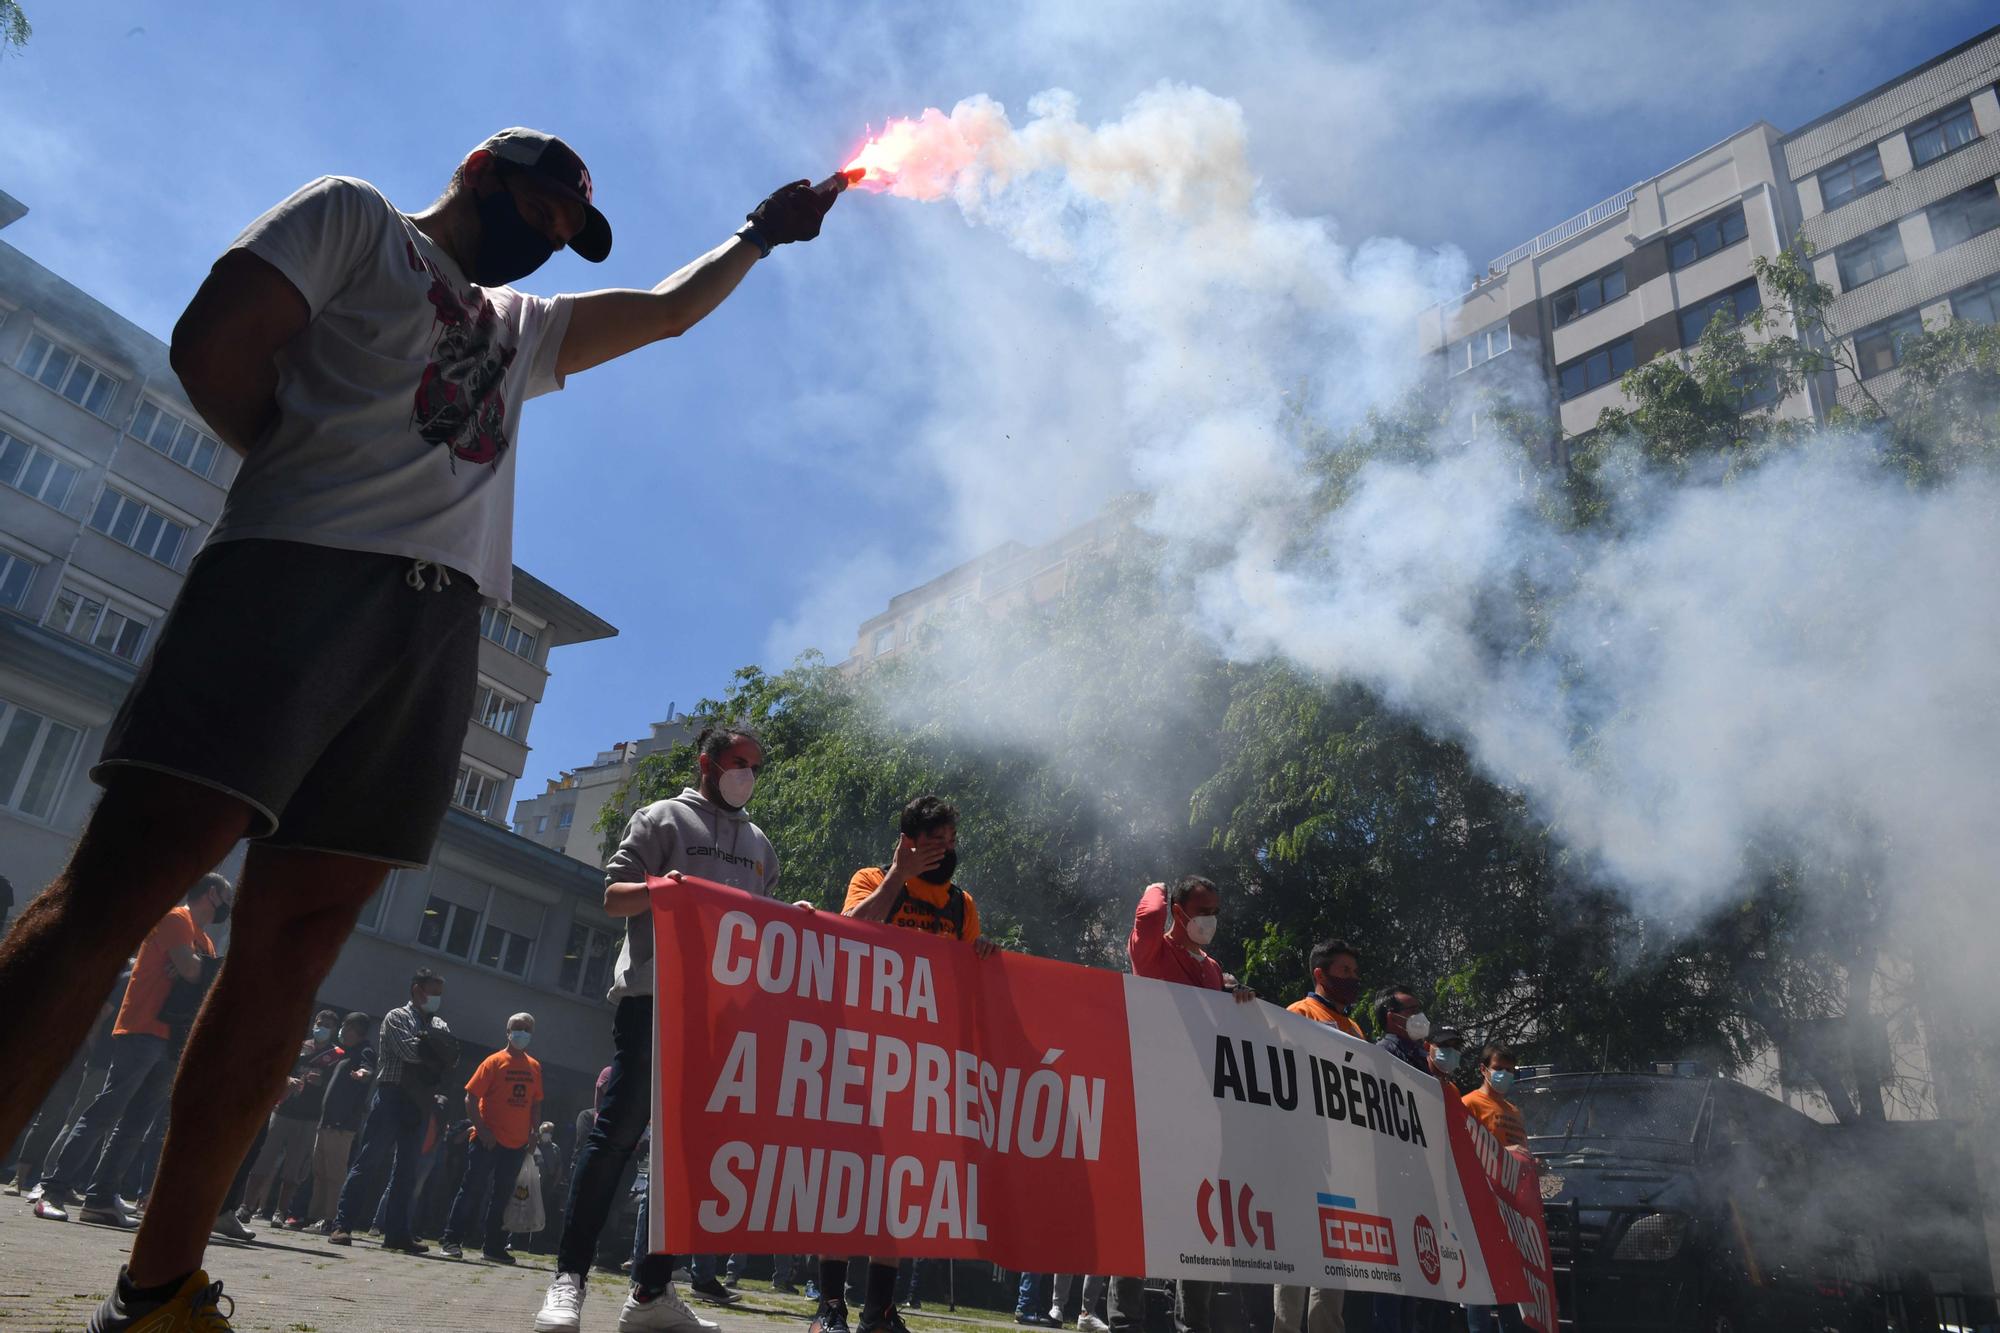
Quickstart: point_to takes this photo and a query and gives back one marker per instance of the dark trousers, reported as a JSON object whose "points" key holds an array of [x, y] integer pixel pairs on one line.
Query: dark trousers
{"points": [[390, 1136], [1487, 1318], [86, 1091], [1029, 1299], [106, 1136], [601, 1162], [1126, 1305], [490, 1173]]}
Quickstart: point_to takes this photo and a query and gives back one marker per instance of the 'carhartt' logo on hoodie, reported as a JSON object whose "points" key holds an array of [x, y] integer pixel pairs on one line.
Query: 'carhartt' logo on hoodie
{"points": [[727, 858]]}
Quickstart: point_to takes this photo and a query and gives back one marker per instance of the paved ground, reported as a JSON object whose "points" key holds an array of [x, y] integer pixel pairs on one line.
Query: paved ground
{"points": [[53, 1274]]}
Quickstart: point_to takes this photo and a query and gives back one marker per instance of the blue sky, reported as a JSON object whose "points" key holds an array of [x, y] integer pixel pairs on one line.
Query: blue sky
{"points": [[833, 434]]}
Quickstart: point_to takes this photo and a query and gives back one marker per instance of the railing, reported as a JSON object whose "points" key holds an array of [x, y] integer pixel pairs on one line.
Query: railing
{"points": [[1562, 231]]}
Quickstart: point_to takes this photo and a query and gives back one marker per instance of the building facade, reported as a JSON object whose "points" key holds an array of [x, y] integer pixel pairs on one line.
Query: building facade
{"points": [[109, 483], [1895, 191], [1008, 576], [564, 817]]}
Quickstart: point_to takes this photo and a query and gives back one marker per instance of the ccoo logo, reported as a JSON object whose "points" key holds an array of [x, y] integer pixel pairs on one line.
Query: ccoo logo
{"points": [[1427, 1250], [1225, 1212]]}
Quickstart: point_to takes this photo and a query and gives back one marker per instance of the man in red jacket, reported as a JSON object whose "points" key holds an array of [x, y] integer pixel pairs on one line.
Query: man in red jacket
{"points": [[1171, 932]]}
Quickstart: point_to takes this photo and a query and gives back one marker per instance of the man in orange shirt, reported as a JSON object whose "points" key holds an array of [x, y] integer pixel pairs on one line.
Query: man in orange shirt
{"points": [[1489, 1103], [1336, 976], [503, 1099], [915, 891], [142, 1062]]}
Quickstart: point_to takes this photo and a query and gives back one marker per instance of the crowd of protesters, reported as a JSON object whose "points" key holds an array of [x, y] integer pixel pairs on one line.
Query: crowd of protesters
{"points": [[382, 1125]]}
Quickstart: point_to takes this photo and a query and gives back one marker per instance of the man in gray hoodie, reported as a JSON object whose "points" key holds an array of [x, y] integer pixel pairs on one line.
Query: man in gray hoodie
{"points": [[702, 832]]}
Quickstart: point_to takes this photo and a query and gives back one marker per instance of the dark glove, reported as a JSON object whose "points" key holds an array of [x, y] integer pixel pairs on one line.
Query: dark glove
{"points": [[792, 213]]}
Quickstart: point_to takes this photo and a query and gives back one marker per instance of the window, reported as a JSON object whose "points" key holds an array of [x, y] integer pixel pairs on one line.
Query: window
{"points": [[1866, 258], [1598, 368], [1478, 348], [1704, 238], [1979, 303], [500, 627], [567, 817], [475, 791], [1737, 303], [541, 823], [34, 760], [586, 963], [136, 524], [500, 712], [885, 639], [180, 440], [448, 927], [35, 473], [1596, 290], [16, 573], [1962, 216], [504, 951], [1948, 131], [83, 616], [1881, 348], [68, 374], [1850, 178]]}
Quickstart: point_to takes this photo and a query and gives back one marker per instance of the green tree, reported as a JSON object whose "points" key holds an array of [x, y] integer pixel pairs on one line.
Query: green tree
{"points": [[14, 27]]}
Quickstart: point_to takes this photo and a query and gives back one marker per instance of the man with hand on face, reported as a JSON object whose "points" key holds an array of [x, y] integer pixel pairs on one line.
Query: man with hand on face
{"points": [[371, 366], [915, 891], [702, 832], [1171, 932]]}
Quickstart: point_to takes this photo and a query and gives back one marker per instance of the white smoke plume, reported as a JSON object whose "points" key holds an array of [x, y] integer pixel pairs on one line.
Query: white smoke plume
{"points": [[1809, 654]]}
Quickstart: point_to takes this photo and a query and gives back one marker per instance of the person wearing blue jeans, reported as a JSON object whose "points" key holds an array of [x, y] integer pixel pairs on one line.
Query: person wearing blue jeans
{"points": [[391, 1135], [490, 1172], [1029, 1306], [107, 1134]]}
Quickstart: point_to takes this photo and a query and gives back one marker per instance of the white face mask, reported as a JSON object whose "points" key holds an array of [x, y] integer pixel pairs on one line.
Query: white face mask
{"points": [[1201, 929], [735, 786], [1417, 1026]]}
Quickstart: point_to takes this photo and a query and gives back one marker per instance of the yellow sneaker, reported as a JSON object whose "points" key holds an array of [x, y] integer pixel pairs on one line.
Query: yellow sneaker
{"points": [[195, 1308]]}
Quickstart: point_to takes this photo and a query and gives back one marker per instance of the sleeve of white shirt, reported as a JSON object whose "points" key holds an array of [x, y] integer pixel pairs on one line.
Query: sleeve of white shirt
{"points": [[318, 237], [544, 324]]}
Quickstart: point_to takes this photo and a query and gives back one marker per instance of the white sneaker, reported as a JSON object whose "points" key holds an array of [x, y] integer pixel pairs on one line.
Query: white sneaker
{"points": [[665, 1313], [1090, 1323], [562, 1308], [1055, 1315]]}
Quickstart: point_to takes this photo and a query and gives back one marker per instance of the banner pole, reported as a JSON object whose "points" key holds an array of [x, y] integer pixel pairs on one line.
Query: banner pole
{"points": [[951, 1283]]}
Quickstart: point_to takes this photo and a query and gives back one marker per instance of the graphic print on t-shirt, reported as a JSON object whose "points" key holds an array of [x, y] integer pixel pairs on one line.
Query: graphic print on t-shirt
{"points": [[459, 403]]}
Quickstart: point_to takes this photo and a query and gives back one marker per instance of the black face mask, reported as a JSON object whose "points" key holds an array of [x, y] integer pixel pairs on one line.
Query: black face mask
{"points": [[508, 247], [221, 916], [942, 872]]}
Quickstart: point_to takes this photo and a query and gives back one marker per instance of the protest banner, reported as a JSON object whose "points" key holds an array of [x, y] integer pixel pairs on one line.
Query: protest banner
{"points": [[833, 1086]]}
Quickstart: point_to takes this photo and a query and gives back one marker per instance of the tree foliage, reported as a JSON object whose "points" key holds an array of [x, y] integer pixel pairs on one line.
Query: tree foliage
{"points": [[1097, 743], [14, 28]]}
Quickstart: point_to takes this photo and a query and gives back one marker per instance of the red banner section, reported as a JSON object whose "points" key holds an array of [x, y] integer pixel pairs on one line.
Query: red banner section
{"points": [[837, 1086]]}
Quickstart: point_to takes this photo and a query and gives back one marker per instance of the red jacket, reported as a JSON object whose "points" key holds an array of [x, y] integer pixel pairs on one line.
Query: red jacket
{"points": [[1154, 955]]}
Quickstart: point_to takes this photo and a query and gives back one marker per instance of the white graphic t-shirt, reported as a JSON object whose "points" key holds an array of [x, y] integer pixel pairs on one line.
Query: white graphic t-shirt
{"points": [[399, 403]]}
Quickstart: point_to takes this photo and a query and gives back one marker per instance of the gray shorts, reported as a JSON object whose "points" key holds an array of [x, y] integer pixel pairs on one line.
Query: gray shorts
{"points": [[318, 686]]}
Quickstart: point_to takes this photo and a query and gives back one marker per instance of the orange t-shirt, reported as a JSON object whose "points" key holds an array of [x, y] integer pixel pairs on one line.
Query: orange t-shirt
{"points": [[1501, 1117], [1319, 1011], [912, 914], [153, 974], [508, 1085]]}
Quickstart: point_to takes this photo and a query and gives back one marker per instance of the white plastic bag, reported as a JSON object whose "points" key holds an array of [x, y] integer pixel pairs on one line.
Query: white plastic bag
{"points": [[525, 1215]]}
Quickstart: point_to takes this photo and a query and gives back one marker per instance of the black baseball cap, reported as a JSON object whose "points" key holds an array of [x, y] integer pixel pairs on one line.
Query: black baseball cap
{"points": [[555, 163]]}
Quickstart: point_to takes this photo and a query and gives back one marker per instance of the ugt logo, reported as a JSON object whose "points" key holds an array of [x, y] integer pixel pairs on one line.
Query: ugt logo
{"points": [[1233, 1216], [1427, 1250]]}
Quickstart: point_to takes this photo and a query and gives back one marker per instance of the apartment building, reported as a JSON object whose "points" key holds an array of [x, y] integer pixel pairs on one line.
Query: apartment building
{"points": [[1010, 575], [1895, 190], [564, 817], [109, 483]]}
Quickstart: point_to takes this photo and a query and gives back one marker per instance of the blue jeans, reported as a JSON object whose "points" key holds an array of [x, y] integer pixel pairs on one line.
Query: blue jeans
{"points": [[106, 1136], [909, 1273], [601, 1161], [490, 1173], [391, 1134], [1028, 1302]]}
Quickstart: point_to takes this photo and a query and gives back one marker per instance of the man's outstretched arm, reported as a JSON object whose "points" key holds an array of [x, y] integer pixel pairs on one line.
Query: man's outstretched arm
{"points": [[608, 324]]}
